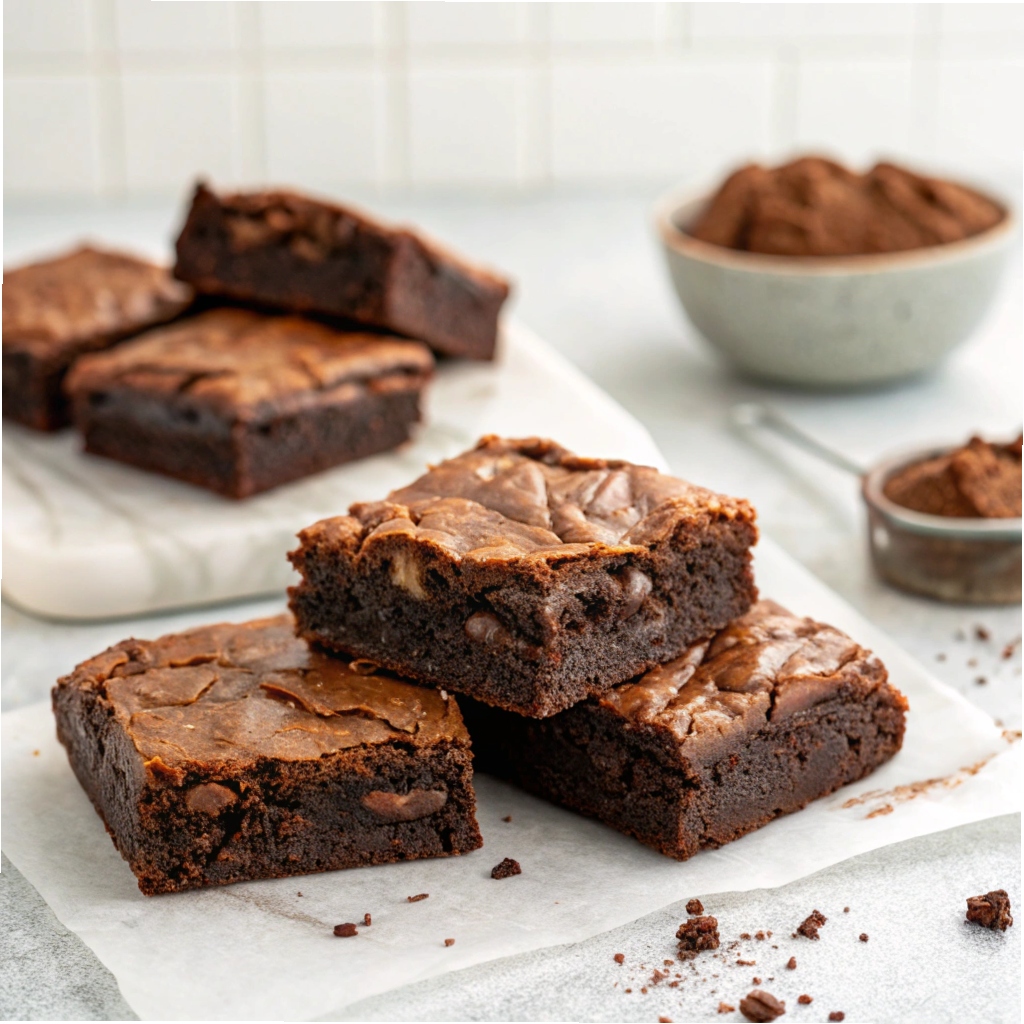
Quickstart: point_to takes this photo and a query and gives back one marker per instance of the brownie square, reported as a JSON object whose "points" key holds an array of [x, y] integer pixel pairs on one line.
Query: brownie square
{"points": [[771, 713], [525, 576], [60, 308], [239, 401], [311, 256], [234, 752]]}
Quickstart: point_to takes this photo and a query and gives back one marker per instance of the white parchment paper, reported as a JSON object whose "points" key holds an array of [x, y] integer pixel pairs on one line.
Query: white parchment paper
{"points": [[262, 951]]}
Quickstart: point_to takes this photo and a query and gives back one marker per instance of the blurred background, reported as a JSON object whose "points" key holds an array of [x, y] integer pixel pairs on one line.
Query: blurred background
{"points": [[114, 98]]}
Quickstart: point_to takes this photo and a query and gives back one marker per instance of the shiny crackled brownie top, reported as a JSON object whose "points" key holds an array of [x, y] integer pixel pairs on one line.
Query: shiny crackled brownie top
{"points": [[767, 664], [236, 361], [506, 499], [230, 695], [86, 294]]}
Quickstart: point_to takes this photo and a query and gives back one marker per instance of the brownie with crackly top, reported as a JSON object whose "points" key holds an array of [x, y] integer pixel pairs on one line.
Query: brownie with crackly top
{"points": [[526, 576], [58, 309], [309, 255], [235, 752], [239, 401], [771, 713]]}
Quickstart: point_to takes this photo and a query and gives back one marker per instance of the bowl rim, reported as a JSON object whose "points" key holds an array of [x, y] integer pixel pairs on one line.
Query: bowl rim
{"points": [[673, 201], [948, 527]]}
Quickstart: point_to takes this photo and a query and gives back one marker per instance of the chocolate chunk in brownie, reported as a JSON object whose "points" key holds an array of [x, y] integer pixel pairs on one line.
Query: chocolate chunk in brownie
{"points": [[761, 1006], [696, 935], [59, 309], [506, 869], [234, 752], [695, 908], [772, 712], [526, 576], [982, 479], [991, 910], [308, 255], [810, 925], [240, 402]]}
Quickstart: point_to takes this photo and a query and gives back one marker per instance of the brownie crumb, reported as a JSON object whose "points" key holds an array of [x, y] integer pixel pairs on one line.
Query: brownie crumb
{"points": [[809, 928], [791, 963], [629, 991], [761, 1006], [981, 680], [508, 817], [643, 989], [1010, 648], [746, 963], [846, 910], [755, 981], [940, 657], [668, 963], [744, 935], [658, 976], [972, 662], [768, 933], [982, 633], [449, 942], [619, 958], [695, 908], [417, 898], [805, 999], [759, 936], [506, 869], [697, 934], [837, 1015], [345, 931], [664, 1020], [990, 911], [863, 936], [298, 894], [725, 1008]]}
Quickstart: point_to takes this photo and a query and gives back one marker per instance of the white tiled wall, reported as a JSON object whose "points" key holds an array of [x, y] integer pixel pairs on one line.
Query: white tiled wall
{"points": [[113, 97]]}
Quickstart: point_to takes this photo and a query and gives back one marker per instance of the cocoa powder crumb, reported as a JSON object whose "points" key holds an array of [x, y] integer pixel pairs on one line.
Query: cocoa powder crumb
{"points": [[695, 908], [982, 633], [619, 958], [761, 1007], [449, 942], [804, 1000], [345, 931], [1010, 648], [417, 898], [746, 963], [508, 817], [643, 990], [791, 963], [863, 936], [810, 925], [506, 869], [725, 1008]]}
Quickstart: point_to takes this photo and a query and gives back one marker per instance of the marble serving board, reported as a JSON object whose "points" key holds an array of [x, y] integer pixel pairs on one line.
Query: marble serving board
{"points": [[87, 538]]}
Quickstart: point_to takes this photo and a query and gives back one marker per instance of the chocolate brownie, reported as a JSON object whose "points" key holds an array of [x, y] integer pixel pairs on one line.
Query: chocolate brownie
{"points": [[527, 576], [311, 256], [235, 752], [770, 714], [981, 479], [60, 308], [239, 401]]}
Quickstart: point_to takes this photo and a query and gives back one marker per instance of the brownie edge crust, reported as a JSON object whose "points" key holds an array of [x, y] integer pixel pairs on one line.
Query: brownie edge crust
{"points": [[234, 752], [773, 712], [525, 576]]}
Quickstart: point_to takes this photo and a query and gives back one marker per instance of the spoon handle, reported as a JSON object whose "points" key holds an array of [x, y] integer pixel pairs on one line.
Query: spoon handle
{"points": [[749, 415]]}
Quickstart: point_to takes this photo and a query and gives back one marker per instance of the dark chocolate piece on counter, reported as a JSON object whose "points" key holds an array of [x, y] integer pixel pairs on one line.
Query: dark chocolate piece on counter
{"points": [[771, 713], [235, 752], [539, 576], [991, 910], [696, 935], [59, 309], [506, 869], [761, 1007], [308, 255], [809, 926], [240, 402]]}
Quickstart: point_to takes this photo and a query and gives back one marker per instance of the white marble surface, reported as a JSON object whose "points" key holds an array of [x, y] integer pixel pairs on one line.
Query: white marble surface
{"points": [[590, 282]]}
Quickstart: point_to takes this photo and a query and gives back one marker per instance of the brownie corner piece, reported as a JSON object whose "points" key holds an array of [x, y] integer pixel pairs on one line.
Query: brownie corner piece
{"points": [[308, 255], [526, 576], [57, 309], [234, 752], [240, 402], [771, 713]]}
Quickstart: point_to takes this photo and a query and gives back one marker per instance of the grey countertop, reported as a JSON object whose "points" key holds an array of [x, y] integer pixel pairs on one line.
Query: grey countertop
{"points": [[590, 281]]}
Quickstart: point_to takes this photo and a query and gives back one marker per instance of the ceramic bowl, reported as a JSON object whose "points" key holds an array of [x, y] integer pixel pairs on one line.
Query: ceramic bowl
{"points": [[835, 321]]}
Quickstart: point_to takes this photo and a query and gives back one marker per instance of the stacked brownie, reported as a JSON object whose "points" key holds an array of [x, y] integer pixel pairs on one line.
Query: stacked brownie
{"points": [[310, 343], [599, 620]]}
